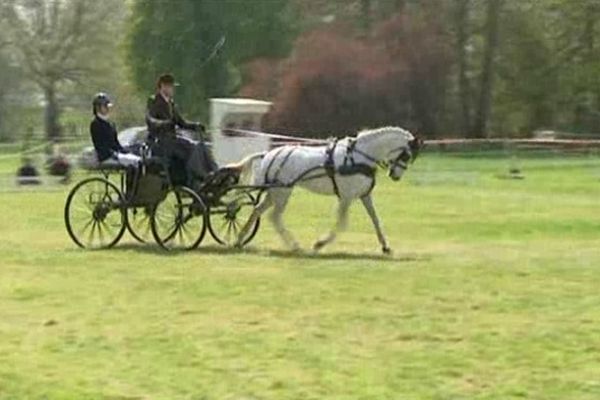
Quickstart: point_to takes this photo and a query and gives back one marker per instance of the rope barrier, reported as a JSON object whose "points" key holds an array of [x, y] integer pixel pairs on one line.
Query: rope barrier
{"points": [[547, 142], [21, 153], [282, 140]]}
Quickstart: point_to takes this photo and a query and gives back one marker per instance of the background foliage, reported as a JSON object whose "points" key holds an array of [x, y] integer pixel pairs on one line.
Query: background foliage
{"points": [[443, 68]]}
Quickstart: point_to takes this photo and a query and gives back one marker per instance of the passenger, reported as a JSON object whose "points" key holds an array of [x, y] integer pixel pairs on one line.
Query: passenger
{"points": [[104, 135]]}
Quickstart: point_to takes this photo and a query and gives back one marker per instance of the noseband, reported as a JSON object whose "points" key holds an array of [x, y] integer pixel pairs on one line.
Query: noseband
{"points": [[400, 161]]}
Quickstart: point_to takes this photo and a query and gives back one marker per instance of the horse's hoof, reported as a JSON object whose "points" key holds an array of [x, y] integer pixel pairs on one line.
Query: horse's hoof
{"points": [[386, 250]]}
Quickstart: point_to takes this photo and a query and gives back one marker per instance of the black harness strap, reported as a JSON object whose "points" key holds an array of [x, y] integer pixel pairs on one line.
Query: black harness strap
{"points": [[268, 170], [351, 167], [280, 167], [283, 162], [329, 165]]}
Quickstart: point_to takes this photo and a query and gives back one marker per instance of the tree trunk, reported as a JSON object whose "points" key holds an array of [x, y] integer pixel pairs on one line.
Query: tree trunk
{"points": [[52, 113], [3, 135], [482, 117], [593, 80], [400, 5], [590, 28], [366, 16], [462, 38]]}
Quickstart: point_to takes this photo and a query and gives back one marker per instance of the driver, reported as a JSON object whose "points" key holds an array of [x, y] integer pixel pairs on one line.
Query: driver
{"points": [[162, 118]]}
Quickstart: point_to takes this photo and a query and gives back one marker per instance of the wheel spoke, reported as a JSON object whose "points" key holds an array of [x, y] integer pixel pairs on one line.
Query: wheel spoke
{"points": [[85, 227], [225, 222], [100, 235], [92, 214], [91, 235], [139, 224], [175, 220], [236, 211], [180, 235], [228, 235]]}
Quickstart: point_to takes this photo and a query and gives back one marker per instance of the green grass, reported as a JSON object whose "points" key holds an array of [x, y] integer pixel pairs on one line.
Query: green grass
{"points": [[492, 293]]}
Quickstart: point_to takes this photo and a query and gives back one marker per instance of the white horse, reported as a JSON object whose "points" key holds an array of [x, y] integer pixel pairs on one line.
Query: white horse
{"points": [[345, 168]]}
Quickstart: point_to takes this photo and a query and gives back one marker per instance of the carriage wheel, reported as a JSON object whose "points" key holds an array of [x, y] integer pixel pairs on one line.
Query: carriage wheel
{"points": [[94, 214], [139, 223], [228, 218], [179, 221]]}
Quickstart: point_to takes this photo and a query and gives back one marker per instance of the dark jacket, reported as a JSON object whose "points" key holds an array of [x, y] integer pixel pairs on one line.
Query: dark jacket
{"points": [[162, 117], [104, 137]]}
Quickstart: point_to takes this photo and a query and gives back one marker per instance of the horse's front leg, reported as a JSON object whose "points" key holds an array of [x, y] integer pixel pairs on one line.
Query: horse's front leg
{"points": [[368, 203], [340, 225]]}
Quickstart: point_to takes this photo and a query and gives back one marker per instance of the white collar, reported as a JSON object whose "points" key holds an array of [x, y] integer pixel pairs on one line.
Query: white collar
{"points": [[167, 99], [103, 117]]}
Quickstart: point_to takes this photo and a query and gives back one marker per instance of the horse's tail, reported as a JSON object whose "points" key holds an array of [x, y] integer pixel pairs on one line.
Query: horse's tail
{"points": [[248, 166]]}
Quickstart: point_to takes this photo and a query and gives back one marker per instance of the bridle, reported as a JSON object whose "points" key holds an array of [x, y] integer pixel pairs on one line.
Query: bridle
{"points": [[401, 160], [404, 156]]}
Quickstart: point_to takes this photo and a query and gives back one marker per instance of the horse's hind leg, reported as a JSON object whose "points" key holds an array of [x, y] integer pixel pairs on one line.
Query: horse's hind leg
{"points": [[263, 206], [340, 225], [280, 199]]}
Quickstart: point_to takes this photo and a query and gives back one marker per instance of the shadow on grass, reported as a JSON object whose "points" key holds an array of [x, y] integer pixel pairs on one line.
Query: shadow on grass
{"points": [[308, 255]]}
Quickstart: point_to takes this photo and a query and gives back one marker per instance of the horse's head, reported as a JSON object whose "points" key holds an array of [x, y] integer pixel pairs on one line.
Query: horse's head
{"points": [[404, 152], [391, 147]]}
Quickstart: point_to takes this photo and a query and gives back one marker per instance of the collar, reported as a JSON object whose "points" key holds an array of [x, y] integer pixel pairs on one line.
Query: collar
{"points": [[165, 98], [103, 117]]}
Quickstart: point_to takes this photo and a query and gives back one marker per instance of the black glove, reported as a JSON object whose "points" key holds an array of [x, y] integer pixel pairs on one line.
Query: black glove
{"points": [[198, 127], [170, 126]]}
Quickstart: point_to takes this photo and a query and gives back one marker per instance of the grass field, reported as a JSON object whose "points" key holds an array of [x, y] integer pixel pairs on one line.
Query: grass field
{"points": [[493, 292]]}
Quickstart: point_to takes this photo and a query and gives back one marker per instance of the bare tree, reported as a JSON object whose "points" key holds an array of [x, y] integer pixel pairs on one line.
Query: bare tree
{"points": [[58, 41]]}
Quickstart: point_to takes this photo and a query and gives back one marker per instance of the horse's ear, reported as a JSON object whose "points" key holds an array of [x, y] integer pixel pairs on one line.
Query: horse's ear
{"points": [[418, 141], [416, 145]]}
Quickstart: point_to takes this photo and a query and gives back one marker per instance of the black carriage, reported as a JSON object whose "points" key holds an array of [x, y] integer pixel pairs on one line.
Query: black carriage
{"points": [[152, 203]]}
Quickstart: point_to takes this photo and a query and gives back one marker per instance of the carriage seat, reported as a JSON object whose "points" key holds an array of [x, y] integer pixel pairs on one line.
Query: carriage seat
{"points": [[154, 164]]}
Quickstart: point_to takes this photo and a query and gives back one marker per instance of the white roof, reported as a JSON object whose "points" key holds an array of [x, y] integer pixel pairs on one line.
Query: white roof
{"points": [[241, 102], [237, 105]]}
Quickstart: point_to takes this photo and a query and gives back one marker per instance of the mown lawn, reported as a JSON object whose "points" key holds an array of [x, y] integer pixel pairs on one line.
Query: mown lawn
{"points": [[493, 292]]}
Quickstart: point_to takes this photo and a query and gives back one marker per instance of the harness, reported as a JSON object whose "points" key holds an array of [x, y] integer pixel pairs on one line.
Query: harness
{"points": [[329, 165], [283, 162], [400, 161], [348, 167]]}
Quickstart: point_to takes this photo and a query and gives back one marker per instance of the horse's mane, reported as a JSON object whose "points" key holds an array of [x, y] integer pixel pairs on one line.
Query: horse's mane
{"points": [[369, 133]]}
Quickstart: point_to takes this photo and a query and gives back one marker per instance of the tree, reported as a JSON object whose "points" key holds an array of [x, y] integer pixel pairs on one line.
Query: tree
{"points": [[339, 82], [180, 39], [484, 104], [60, 42], [462, 41], [11, 82]]}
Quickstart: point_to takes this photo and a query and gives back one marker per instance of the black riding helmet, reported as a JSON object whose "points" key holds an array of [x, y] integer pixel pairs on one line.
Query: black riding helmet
{"points": [[100, 99]]}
